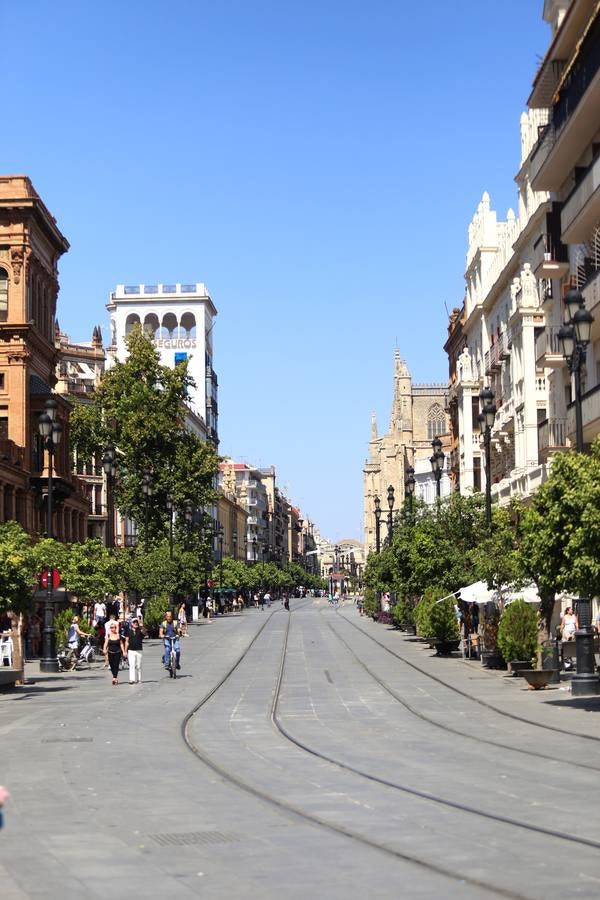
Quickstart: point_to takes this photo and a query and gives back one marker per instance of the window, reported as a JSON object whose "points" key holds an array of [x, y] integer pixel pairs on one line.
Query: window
{"points": [[436, 421], [3, 295], [2, 382]]}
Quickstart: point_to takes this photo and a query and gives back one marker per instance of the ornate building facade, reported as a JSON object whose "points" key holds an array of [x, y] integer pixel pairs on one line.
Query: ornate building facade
{"points": [[30, 246], [418, 416]]}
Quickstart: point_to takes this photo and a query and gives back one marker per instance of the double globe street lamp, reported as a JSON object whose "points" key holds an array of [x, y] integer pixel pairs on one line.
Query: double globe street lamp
{"points": [[575, 336], [390, 500], [377, 505], [437, 464], [486, 423], [109, 464], [51, 432], [409, 489]]}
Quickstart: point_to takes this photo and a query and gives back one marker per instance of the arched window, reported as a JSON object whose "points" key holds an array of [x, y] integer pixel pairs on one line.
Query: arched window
{"points": [[3, 295], [170, 323], [436, 421], [151, 326], [132, 319], [188, 325]]}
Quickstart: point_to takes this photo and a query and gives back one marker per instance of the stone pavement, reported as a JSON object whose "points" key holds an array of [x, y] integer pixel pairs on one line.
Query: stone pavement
{"points": [[108, 800]]}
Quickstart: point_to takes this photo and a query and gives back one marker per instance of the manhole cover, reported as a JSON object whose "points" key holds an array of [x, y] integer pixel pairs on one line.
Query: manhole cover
{"points": [[188, 839]]}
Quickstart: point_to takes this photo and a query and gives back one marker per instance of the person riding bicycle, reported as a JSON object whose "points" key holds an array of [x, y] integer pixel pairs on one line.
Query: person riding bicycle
{"points": [[169, 630]]}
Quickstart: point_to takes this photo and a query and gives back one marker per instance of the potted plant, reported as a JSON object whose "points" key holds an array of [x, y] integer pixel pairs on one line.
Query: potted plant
{"points": [[518, 635], [403, 615], [444, 627], [423, 609]]}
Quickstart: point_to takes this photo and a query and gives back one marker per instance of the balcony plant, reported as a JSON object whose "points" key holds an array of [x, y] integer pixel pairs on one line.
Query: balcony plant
{"points": [[518, 635], [444, 627]]}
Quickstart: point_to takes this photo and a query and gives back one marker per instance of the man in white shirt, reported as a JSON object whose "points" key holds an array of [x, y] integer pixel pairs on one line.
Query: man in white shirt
{"points": [[100, 612]]}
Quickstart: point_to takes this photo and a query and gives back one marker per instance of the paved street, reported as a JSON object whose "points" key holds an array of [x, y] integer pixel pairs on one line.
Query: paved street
{"points": [[370, 773]]}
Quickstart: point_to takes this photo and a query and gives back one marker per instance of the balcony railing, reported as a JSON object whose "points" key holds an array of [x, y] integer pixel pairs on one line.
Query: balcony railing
{"points": [[548, 351], [492, 357], [579, 78], [590, 412], [10, 452], [591, 291], [550, 256], [552, 436]]}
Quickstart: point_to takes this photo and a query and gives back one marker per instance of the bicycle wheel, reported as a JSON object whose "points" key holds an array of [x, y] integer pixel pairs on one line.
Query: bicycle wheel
{"points": [[173, 662]]}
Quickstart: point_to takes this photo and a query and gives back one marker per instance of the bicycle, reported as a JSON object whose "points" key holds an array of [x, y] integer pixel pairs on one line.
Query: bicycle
{"points": [[172, 667]]}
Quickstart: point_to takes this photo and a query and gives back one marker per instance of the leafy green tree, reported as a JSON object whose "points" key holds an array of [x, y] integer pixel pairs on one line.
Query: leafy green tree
{"points": [[17, 568], [443, 621], [560, 531], [497, 557], [87, 571], [140, 408]]}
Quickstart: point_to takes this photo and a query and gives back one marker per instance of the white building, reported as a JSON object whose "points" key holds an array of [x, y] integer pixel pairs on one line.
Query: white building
{"points": [[180, 318]]}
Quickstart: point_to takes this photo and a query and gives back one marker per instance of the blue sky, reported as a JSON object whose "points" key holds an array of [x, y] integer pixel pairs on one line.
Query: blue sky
{"points": [[315, 162]]}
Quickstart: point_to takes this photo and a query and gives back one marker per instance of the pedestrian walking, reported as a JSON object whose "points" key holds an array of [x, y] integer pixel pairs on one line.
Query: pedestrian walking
{"points": [[182, 620], [133, 648], [99, 613], [261, 600], [4, 795], [114, 648], [267, 599]]}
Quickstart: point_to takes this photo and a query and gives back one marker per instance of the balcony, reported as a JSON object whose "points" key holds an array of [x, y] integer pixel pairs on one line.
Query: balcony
{"points": [[581, 209], [552, 437], [548, 352], [550, 256], [492, 358], [590, 412], [591, 291], [574, 118]]}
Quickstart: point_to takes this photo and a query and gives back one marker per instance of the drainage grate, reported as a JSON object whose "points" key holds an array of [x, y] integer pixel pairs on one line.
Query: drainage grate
{"points": [[74, 740], [190, 838]]}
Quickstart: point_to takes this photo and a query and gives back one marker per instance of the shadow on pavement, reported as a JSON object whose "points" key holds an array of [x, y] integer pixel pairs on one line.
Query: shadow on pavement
{"points": [[587, 704]]}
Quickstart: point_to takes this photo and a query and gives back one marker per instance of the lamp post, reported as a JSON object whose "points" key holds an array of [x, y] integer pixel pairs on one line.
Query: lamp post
{"points": [[409, 489], [574, 337], [254, 548], [486, 423], [51, 433], [377, 504], [147, 492], [220, 532], [109, 464], [234, 540], [390, 500], [437, 464]]}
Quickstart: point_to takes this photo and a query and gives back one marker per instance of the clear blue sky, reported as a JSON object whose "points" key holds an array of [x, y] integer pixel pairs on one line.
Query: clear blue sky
{"points": [[315, 162]]}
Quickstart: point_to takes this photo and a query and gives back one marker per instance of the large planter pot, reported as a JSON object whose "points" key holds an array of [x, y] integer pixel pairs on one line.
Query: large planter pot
{"points": [[518, 666], [538, 678], [491, 659], [445, 648]]}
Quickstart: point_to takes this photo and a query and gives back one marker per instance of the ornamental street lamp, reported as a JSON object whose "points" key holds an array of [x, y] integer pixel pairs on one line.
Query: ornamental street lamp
{"points": [[51, 433], [437, 464], [147, 491], [220, 532], [234, 540], [254, 542], [486, 423], [109, 464], [574, 337], [377, 504], [409, 489], [390, 523]]}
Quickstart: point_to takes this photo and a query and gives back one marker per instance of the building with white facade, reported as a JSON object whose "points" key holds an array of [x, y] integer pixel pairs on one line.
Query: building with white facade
{"points": [[518, 271], [180, 318]]}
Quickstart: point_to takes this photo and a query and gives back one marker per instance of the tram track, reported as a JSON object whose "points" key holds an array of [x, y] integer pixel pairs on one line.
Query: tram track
{"points": [[484, 703], [276, 801], [448, 728]]}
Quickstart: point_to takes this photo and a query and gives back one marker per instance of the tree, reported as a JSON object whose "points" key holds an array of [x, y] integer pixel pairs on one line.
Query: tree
{"points": [[17, 568], [140, 408], [560, 531]]}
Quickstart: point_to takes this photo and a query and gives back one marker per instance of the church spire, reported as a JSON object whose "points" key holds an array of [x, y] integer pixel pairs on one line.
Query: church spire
{"points": [[401, 414], [373, 427]]}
